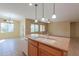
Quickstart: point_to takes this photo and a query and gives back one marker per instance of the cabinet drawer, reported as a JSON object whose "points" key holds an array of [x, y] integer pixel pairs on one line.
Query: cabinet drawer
{"points": [[33, 42], [50, 50]]}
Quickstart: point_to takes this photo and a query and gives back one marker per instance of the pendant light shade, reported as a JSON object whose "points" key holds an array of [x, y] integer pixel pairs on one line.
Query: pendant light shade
{"points": [[30, 4], [36, 13], [54, 15], [43, 19], [36, 21]]}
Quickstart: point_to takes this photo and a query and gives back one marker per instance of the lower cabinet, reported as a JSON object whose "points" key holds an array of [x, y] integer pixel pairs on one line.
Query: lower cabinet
{"points": [[44, 53], [32, 50], [39, 49]]}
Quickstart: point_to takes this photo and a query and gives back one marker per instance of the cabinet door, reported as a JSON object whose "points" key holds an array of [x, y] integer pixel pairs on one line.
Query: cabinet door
{"points": [[49, 50], [44, 53], [32, 50]]}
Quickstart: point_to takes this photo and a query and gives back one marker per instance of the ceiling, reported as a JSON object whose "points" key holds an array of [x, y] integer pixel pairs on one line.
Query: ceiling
{"points": [[64, 11]]}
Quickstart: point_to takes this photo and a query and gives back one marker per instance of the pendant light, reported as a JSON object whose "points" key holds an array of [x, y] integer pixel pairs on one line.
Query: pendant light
{"points": [[9, 20], [36, 13], [54, 15], [30, 4], [43, 19]]}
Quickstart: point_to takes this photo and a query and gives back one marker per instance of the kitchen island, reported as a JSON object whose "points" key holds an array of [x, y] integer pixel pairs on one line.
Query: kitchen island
{"points": [[45, 45]]}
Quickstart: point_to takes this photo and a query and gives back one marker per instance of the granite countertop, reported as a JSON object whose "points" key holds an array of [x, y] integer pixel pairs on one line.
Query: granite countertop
{"points": [[54, 41]]}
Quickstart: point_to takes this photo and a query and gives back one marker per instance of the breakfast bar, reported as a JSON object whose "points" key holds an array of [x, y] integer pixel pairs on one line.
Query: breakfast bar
{"points": [[46, 45]]}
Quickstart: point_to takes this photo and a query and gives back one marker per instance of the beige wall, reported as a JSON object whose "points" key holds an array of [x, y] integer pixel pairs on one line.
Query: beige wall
{"points": [[75, 29], [72, 30], [27, 26], [50, 28], [22, 28], [59, 28], [14, 34]]}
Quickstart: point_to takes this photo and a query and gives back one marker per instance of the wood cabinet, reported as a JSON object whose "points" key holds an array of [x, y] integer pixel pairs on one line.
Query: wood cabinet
{"points": [[44, 53], [38, 49], [32, 49]]}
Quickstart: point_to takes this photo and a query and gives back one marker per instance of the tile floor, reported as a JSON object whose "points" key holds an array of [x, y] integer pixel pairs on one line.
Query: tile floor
{"points": [[12, 47], [74, 47]]}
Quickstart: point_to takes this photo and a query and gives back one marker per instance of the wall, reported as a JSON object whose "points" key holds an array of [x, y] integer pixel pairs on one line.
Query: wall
{"points": [[75, 29], [59, 28], [50, 28], [14, 34], [22, 28]]}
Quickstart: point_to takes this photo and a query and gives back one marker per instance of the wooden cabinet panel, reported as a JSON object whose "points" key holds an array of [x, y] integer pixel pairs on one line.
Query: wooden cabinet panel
{"points": [[44, 53], [32, 50], [50, 50]]}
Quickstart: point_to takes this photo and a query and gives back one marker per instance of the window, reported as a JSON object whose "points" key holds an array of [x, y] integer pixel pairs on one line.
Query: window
{"points": [[42, 28], [6, 27], [34, 28]]}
